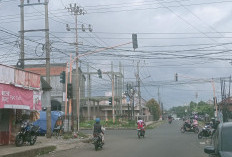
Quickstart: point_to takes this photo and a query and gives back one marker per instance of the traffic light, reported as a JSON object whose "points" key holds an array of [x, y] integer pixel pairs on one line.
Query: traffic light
{"points": [[69, 91], [176, 77], [134, 41], [99, 73], [62, 77], [110, 100]]}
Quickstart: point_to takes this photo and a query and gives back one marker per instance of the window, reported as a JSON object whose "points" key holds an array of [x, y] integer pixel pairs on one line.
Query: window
{"points": [[227, 139]]}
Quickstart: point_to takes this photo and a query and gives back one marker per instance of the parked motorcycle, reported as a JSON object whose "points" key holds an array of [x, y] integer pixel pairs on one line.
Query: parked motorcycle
{"points": [[28, 133], [190, 128], [141, 132], [97, 141], [207, 131]]}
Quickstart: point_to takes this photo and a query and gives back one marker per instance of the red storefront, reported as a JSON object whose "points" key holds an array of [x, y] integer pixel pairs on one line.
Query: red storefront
{"points": [[19, 93]]}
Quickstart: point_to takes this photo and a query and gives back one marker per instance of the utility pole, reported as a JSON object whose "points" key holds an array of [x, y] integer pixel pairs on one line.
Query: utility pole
{"points": [[121, 88], [47, 49], [139, 92], [76, 10], [22, 33], [113, 112], [88, 90], [158, 96]]}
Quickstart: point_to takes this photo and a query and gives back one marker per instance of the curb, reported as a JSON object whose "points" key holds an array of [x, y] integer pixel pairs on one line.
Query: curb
{"points": [[32, 152]]}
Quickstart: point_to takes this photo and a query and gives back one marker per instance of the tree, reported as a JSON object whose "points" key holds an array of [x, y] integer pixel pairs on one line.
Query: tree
{"points": [[201, 108], [180, 110], [154, 108]]}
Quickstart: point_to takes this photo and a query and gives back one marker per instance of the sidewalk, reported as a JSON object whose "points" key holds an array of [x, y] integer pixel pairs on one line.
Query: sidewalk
{"points": [[42, 146]]}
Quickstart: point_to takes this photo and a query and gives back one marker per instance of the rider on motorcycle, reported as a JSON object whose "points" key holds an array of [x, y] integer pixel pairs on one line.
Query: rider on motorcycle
{"points": [[98, 130], [170, 118], [187, 124], [140, 123]]}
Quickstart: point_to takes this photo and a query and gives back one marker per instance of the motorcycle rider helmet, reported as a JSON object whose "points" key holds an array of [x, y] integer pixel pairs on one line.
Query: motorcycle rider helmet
{"points": [[139, 118], [97, 120]]}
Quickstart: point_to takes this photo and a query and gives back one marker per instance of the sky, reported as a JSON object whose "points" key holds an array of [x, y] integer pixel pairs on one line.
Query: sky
{"points": [[189, 37]]}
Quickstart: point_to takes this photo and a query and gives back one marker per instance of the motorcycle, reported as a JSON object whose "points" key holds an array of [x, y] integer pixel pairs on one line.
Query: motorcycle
{"points": [[169, 120], [207, 131], [190, 128], [97, 141], [141, 132], [28, 133]]}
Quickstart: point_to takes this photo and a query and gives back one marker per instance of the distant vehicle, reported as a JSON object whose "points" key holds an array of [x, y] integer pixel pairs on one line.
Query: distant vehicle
{"points": [[222, 142], [207, 131], [190, 127]]}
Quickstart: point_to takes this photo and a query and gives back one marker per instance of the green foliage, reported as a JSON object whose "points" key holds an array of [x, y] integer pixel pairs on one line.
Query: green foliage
{"points": [[87, 124], [109, 123], [180, 110], [201, 108], [67, 136], [154, 108], [81, 134]]}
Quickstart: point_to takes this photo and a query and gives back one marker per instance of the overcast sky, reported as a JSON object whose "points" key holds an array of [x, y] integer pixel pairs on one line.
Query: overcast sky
{"points": [[188, 37]]}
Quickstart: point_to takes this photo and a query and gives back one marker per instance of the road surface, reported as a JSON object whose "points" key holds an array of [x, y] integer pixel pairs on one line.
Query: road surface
{"points": [[163, 141]]}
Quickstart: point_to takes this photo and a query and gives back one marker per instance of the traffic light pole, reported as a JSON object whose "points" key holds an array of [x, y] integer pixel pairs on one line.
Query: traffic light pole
{"points": [[70, 81], [113, 112], [89, 53]]}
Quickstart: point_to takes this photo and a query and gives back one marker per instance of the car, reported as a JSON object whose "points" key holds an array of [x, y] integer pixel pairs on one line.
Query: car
{"points": [[221, 141]]}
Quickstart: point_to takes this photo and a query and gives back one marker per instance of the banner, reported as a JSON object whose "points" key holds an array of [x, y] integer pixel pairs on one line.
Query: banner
{"points": [[12, 97]]}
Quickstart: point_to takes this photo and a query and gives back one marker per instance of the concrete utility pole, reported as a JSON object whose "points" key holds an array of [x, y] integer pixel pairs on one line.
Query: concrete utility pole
{"points": [[139, 92], [77, 10], [121, 87], [88, 90], [22, 33], [113, 112], [47, 45], [47, 49]]}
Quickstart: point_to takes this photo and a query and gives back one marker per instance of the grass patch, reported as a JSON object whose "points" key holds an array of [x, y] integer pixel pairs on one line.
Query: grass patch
{"points": [[110, 124], [81, 134], [67, 136], [70, 135], [46, 150]]}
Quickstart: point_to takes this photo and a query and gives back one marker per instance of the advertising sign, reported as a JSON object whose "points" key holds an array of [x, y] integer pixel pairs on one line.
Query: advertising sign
{"points": [[12, 97]]}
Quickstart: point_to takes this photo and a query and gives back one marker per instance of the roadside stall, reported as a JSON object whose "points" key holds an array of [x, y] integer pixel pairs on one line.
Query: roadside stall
{"points": [[20, 97]]}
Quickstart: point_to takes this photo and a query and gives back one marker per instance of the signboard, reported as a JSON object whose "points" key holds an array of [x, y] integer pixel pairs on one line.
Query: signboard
{"points": [[12, 97]]}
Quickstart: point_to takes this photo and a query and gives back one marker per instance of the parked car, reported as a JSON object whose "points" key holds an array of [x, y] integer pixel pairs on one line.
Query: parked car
{"points": [[222, 142]]}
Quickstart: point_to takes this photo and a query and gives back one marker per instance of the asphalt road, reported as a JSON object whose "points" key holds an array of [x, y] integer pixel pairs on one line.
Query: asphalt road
{"points": [[163, 141]]}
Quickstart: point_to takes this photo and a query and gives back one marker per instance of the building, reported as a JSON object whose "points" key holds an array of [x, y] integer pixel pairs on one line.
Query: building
{"points": [[226, 109], [58, 89], [20, 95], [100, 107]]}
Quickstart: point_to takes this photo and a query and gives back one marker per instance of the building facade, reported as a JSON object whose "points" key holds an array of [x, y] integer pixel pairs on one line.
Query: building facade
{"points": [[20, 95], [58, 89]]}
